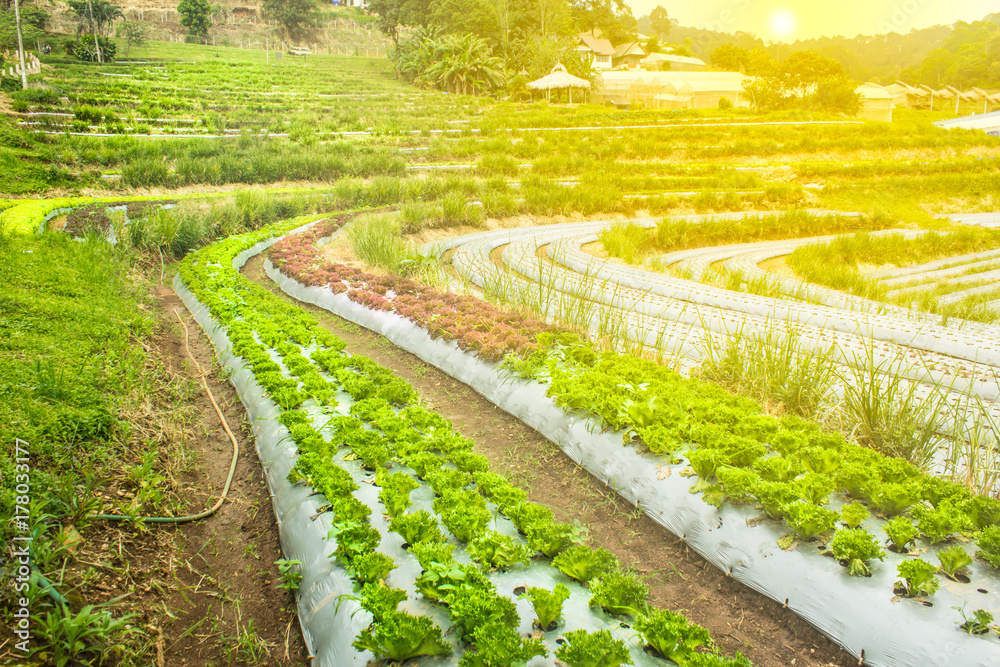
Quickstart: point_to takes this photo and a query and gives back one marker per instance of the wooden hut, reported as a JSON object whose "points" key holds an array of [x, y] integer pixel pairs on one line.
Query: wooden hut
{"points": [[876, 102]]}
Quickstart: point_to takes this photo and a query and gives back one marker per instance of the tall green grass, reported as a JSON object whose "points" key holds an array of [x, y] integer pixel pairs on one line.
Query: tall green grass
{"points": [[772, 367]]}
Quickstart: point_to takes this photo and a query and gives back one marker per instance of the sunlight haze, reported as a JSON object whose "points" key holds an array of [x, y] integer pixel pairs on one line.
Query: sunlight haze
{"points": [[789, 20]]}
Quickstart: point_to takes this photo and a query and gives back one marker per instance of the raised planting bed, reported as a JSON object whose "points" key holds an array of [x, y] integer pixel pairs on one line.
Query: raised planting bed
{"points": [[834, 531], [407, 544]]}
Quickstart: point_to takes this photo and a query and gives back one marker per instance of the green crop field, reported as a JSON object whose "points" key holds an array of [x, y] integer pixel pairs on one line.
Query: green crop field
{"points": [[787, 313]]}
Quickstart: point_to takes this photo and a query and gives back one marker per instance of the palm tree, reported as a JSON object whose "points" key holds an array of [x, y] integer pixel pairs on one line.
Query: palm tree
{"points": [[465, 64]]}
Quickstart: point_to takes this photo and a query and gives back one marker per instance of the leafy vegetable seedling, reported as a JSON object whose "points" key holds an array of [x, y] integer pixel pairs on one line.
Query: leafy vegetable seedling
{"points": [[372, 567], [918, 578], [291, 576], [620, 593], [979, 624], [547, 604], [900, 532], [989, 545], [854, 514], [593, 649], [809, 520], [856, 546], [955, 560], [495, 551], [670, 635], [401, 636], [583, 563]]}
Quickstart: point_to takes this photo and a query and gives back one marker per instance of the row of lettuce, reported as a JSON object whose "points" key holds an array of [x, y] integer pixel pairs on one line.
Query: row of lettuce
{"points": [[302, 366], [822, 486]]}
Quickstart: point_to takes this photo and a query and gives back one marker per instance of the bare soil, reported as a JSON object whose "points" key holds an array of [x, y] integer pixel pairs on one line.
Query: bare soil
{"points": [[204, 591], [738, 618]]}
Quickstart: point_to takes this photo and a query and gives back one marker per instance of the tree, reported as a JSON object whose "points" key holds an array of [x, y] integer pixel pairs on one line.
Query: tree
{"points": [[196, 16], [729, 57], [104, 15], [8, 30], [133, 33], [837, 95], [458, 63], [803, 68], [296, 16], [662, 24], [388, 17], [612, 17], [462, 17]]}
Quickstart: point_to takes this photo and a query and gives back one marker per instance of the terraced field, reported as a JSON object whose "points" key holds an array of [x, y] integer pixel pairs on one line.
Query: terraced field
{"points": [[771, 340]]}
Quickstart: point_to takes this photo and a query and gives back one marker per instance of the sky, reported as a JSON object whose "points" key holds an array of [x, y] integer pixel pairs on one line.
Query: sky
{"points": [[788, 20]]}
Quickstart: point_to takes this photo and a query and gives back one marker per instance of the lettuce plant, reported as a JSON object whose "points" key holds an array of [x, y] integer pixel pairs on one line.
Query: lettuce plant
{"points": [[942, 522], [463, 512], [815, 488], [854, 514], [584, 564], [979, 624], [893, 499], [900, 532], [620, 592], [547, 604], [395, 492], [472, 607], [429, 551], [982, 511], [988, 542], [372, 567], [918, 578], [552, 538], [400, 636], [935, 489], [420, 526], [776, 468], [820, 461], [495, 551], [809, 520], [439, 580], [378, 599], [774, 497], [498, 645], [954, 560], [593, 649], [670, 635], [856, 546], [737, 483], [353, 540], [705, 462]]}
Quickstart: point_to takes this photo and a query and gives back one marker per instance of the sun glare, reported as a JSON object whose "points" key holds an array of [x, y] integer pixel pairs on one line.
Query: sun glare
{"points": [[782, 23]]}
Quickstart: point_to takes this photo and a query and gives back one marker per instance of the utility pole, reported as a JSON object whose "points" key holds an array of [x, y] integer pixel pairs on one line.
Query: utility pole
{"points": [[93, 29], [20, 45]]}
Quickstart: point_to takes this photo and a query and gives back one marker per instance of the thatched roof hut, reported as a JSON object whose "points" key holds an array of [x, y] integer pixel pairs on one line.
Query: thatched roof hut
{"points": [[557, 79]]}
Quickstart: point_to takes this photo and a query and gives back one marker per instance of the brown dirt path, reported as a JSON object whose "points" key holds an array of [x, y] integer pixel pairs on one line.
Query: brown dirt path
{"points": [[204, 592], [738, 618]]}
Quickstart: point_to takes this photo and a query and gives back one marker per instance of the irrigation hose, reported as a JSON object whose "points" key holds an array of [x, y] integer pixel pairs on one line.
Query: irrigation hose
{"points": [[232, 466]]}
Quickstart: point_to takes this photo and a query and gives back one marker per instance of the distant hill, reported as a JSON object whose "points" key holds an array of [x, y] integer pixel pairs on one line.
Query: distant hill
{"points": [[929, 55]]}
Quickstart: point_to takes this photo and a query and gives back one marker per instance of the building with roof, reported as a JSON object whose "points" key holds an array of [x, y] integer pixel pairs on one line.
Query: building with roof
{"points": [[876, 102], [987, 122], [907, 96], [628, 54], [672, 90], [600, 51], [668, 61]]}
